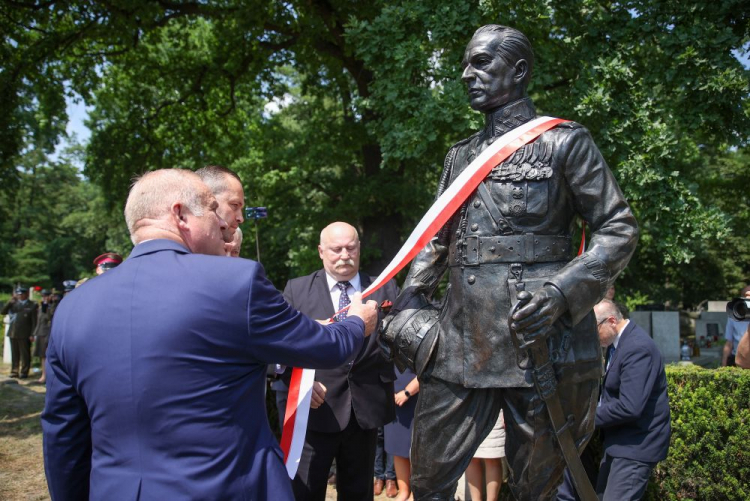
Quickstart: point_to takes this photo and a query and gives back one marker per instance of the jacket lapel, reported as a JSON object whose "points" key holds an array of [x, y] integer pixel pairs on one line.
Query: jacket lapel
{"points": [[620, 346], [322, 296]]}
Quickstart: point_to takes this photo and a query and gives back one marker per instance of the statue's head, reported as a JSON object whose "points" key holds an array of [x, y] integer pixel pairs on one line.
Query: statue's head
{"points": [[497, 67]]}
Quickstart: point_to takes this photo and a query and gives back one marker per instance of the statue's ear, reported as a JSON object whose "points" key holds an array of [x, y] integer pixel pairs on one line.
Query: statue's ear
{"points": [[522, 68]]}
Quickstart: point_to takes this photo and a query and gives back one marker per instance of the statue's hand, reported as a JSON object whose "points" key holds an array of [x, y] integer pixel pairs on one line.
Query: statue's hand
{"points": [[534, 321]]}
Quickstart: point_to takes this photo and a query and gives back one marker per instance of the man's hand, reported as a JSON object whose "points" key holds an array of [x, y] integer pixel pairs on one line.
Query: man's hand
{"points": [[534, 320], [318, 395], [368, 312]]}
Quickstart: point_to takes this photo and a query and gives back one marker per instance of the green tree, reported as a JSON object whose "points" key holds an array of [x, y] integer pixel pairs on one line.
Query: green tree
{"points": [[56, 224], [367, 98]]}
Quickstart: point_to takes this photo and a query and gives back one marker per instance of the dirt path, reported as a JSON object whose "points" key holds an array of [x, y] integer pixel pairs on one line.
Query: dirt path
{"points": [[21, 462]]}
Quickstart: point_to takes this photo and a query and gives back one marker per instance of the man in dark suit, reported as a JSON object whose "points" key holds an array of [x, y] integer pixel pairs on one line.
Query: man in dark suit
{"points": [[23, 323], [633, 411], [156, 369], [351, 401]]}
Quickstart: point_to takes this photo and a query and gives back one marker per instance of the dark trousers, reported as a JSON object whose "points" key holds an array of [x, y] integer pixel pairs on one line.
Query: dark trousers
{"points": [[20, 355], [282, 393], [622, 479], [354, 452], [383, 461], [451, 421]]}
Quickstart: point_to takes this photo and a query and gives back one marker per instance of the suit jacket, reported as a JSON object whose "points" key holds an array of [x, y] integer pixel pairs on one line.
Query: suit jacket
{"points": [[26, 316], [44, 319], [367, 385], [634, 409], [156, 379]]}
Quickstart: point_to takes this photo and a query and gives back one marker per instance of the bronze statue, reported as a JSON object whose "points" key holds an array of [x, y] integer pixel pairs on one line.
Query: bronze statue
{"points": [[510, 243]]}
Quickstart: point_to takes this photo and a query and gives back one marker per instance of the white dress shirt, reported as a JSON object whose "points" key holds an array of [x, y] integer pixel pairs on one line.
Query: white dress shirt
{"points": [[355, 285]]}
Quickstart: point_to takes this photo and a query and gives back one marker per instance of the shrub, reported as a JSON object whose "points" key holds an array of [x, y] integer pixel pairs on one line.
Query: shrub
{"points": [[709, 454]]}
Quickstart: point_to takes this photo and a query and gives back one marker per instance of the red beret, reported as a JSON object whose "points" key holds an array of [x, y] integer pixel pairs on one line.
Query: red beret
{"points": [[108, 257]]}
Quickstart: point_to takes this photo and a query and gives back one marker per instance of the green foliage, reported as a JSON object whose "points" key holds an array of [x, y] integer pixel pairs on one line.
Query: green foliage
{"points": [[344, 110], [54, 225], [708, 455]]}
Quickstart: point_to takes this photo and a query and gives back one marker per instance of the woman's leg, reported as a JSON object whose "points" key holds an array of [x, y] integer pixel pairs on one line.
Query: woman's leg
{"points": [[475, 478], [493, 473], [44, 371], [403, 472]]}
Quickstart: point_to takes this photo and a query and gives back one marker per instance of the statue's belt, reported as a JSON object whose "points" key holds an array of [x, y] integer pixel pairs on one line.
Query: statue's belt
{"points": [[527, 248]]}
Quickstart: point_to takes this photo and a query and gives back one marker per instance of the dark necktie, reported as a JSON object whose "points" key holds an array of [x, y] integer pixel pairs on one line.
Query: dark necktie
{"points": [[610, 354], [343, 300]]}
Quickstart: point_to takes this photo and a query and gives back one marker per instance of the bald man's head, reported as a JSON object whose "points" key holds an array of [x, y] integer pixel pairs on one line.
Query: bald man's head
{"points": [[175, 204], [339, 250]]}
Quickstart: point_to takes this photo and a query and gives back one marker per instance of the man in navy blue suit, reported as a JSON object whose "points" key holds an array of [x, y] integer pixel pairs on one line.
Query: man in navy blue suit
{"points": [[157, 369], [633, 411]]}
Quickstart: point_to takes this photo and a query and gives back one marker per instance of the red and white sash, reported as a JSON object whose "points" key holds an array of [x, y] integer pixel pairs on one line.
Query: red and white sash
{"points": [[300, 389]]}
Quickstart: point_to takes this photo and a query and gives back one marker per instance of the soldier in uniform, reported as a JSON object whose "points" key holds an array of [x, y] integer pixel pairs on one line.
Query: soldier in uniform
{"points": [[24, 313], [46, 311], [515, 228]]}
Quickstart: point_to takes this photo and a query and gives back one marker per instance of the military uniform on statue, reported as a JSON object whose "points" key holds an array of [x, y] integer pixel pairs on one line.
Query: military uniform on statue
{"points": [[359, 397], [516, 228]]}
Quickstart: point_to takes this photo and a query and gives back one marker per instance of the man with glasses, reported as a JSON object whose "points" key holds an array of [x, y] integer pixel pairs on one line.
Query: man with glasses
{"points": [[633, 411]]}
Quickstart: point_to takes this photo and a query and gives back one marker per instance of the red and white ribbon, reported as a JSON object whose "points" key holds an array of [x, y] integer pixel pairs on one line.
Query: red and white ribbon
{"points": [[295, 417], [459, 190], [444, 207]]}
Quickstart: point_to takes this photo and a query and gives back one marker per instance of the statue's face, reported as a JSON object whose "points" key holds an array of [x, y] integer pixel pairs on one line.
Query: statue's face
{"points": [[491, 82]]}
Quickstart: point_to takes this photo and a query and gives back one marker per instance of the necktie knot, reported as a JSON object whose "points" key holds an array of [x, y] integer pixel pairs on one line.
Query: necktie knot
{"points": [[343, 286]]}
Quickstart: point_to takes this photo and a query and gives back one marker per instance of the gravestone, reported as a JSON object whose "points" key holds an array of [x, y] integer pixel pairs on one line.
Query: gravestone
{"points": [[643, 319], [665, 330], [710, 327]]}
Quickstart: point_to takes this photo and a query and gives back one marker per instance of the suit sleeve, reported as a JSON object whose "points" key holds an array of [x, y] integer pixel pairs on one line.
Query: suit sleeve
{"points": [[638, 373], [66, 430], [280, 334]]}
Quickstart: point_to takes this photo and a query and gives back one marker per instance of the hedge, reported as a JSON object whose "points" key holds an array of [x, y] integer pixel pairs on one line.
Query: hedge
{"points": [[709, 454]]}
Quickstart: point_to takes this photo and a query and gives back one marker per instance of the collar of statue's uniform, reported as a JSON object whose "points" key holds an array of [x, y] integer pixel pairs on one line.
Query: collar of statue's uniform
{"points": [[508, 117]]}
